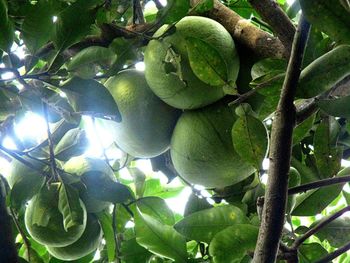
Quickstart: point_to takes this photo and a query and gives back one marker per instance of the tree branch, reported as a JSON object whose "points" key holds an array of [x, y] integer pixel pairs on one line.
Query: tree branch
{"points": [[334, 254], [321, 183], [319, 226], [261, 42], [280, 154], [273, 14]]}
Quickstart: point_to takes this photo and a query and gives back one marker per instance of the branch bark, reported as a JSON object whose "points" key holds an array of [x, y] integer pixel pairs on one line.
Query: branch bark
{"points": [[280, 23], [318, 227], [280, 154], [259, 41], [334, 254], [321, 183]]}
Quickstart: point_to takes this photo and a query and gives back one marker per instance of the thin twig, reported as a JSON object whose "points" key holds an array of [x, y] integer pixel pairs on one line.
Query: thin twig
{"points": [[51, 144], [280, 154], [319, 226], [334, 254], [21, 232], [137, 12], [321, 183]]}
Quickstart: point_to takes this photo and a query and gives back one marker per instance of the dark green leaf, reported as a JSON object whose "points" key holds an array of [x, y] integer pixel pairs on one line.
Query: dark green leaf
{"points": [[86, 95], [6, 28], [309, 253], [204, 224], [195, 204], [132, 252], [206, 62], [314, 201], [239, 239], [336, 232], [38, 26], [324, 72], [70, 207], [338, 107], [329, 16], [302, 129], [157, 208], [89, 61], [73, 23], [106, 220], [250, 138], [174, 10], [266, 66], [73, 143], [159, 238], [203, 6], [328, 155]]}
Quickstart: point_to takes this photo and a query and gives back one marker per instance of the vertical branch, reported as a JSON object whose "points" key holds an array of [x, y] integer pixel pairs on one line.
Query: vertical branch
{"points": [[280, 154], [137, 12], [8, 252]]}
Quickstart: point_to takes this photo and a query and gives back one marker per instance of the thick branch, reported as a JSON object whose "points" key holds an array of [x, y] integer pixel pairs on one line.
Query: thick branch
{"points": [[273, 14], [8, 252], [321, 183], [318, 227], [280, 155], [261, 42]]}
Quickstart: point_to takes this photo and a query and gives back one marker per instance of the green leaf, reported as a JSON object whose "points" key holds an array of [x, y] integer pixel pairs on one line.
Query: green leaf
{"points": [[174, 10], [203, 6], [89, 61], [204, 224], [157, 208], [311, 252], [159, 238], [87, 95], [132, 252], [250, 138], [330, 17], [268, 65], [338, 107], [38, 26], [314, 201], [44, 199], [70, 207], [6, 28], [302, 129], [232, 243], [206, 62], [336, 232], [73, 23], [324, 72], [139, 180], [73, 143], [195, 204], [328, 155], [107, 190], [122, 216], [105, 220]]}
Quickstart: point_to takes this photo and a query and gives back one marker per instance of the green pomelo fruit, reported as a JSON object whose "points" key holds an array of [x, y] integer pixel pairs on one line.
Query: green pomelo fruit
{"points": [[147, 122], [168, 71], [85, 245], [87, 168], [202, 149], [45, 205]]}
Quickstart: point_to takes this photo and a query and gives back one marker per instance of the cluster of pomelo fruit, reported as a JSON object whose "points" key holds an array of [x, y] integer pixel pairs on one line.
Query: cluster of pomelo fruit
{"points": [[68, 231], [177, 102]]}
